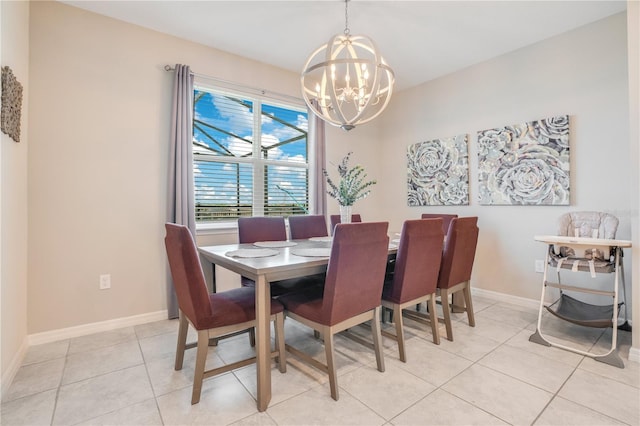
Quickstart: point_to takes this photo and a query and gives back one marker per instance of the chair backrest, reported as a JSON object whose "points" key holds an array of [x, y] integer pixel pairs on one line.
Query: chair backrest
{"points": [[418, 260], [302, 227], [446, 219], [186, 271], [355, 273], [588, 224], [259, 228], [459, 252], [334, 219]]}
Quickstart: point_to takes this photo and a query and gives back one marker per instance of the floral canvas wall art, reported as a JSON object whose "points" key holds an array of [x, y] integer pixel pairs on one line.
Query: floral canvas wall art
{"points": [[525, 164], [11, 104], [438, 172]]}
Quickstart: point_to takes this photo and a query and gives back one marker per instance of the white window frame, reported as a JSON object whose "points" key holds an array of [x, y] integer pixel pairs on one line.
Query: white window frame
{"points": [[258, 97]]}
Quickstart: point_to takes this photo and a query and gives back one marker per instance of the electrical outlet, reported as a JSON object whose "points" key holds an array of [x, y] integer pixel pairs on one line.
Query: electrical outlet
{"points": [[539, 266], [105, 281]]}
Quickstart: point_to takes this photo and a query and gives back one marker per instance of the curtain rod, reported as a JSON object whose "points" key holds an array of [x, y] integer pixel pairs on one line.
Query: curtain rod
{"points": [[241, 86]]}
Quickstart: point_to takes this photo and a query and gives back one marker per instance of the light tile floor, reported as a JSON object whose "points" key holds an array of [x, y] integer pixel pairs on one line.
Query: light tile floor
{"points": [[490, 374]]}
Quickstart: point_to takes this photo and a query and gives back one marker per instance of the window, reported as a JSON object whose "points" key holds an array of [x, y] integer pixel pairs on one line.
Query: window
{"points": [[250, 155]]}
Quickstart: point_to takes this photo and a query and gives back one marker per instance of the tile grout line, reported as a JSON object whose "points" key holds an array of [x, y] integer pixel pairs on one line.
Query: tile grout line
{"points": [[110, 372], [554, 395], [59, 387], [146, 369], [476, 362], [440, 387]]}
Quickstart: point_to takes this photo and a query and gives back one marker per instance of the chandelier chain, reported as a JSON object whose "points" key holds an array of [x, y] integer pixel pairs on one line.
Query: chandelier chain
{"points": [[346, 18]]}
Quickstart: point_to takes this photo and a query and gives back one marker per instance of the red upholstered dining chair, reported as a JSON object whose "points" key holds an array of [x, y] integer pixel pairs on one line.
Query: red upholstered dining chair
{"points": [[334, 219], [304, 227], [272, 228], [307, 226], [259, 228], [212, 315], [351, 293], [415, 276], [456, 266], [446, 219]]}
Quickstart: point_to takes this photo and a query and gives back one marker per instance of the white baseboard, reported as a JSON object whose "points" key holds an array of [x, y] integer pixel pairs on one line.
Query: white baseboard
{"points": [[68, 333], [95, 327], [634, 354], [14, 366], [507, 298]]}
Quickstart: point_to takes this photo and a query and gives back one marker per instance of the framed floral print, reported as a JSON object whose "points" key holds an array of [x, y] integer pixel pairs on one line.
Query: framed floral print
{"points": [[11, 104], [525, 164], [438, 172]]}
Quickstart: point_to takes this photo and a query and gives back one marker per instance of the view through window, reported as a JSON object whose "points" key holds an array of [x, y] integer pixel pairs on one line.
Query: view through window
{"points": [[250, 155]]}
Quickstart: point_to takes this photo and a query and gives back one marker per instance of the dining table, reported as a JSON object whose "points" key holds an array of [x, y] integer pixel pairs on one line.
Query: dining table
{"points": [[266, 262]]}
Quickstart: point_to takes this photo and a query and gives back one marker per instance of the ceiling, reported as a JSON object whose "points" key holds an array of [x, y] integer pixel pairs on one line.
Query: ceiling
{"points": [[421, 40]]}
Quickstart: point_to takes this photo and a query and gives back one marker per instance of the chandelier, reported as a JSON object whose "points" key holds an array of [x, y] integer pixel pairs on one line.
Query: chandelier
{"points": [[346, 82]]}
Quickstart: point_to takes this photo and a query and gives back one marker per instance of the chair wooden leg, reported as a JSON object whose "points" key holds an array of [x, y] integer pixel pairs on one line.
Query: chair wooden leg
{"points": [[201, 358], [282, 359], [183, 328], [386, 311], [435, 330], [252, 337], [377, 336], [469, 305], [399, 332], [390, 311], [331, 366], [446, 312], [457, 301]]}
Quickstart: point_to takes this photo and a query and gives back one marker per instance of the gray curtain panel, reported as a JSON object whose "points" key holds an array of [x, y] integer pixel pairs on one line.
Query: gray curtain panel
{"points": [[317, 137], [181, 199]]}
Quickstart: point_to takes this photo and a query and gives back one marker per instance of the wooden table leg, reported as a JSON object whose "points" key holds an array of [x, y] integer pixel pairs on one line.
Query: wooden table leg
{"points": [[263, 342]]}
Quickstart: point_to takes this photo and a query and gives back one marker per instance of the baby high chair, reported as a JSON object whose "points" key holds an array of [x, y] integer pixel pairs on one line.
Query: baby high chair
{"points": [[585, 243]]}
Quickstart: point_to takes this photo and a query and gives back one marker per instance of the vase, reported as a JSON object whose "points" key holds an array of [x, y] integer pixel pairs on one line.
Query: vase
{"points": [[345, 214]]}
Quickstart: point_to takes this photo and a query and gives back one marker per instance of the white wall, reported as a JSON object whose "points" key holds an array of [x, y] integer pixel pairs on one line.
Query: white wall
{"points": [[582, 73], [14, 30]]}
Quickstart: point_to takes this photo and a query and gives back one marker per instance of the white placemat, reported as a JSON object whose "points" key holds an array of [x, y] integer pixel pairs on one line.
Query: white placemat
{"points": [[321, 239], [274, 244], [251, 253], [312, 251]]}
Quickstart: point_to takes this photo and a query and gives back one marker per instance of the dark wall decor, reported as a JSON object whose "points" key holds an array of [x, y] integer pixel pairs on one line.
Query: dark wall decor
{"points": [[525, 164], [11, 104], [438, 172]]}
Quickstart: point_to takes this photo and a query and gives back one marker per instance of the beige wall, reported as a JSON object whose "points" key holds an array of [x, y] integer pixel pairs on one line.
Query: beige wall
{"points": [[582, 73], [98, 160], [14, 30]]}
